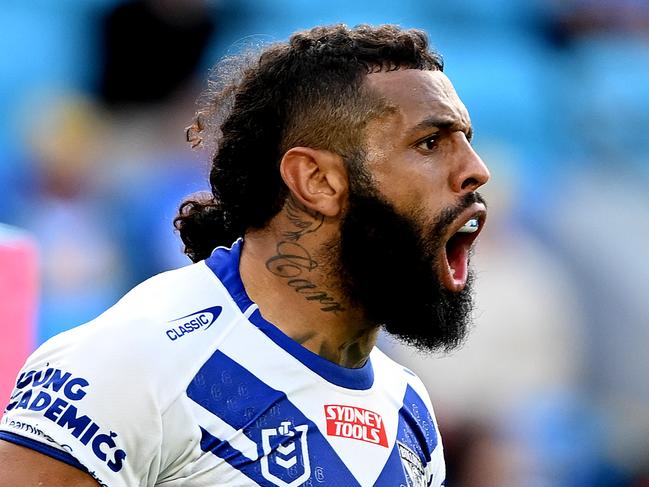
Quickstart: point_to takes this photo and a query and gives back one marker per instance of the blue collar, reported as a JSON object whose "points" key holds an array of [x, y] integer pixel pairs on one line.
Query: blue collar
{"points": [[224, 263]]}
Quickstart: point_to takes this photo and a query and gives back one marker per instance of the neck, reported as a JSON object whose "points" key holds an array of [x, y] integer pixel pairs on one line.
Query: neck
{"points": [[284, 268]]}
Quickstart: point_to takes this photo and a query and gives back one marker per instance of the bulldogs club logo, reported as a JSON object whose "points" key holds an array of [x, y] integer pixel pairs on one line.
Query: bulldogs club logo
{"points": [[286, 457], [413, 467]]}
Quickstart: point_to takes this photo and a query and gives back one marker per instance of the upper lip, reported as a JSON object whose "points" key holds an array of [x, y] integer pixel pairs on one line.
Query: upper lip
{"points": [[476, 210]]}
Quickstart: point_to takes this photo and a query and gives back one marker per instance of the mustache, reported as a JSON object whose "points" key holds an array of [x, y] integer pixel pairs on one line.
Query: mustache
{"points": [[448, 216]]}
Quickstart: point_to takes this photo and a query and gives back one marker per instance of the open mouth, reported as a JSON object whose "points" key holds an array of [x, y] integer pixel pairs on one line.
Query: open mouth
{"points": [[454, 265]]}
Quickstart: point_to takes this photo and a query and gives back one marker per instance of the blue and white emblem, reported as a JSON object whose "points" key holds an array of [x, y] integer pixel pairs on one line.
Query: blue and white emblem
{"points": [[413, 467], [286, 457]]}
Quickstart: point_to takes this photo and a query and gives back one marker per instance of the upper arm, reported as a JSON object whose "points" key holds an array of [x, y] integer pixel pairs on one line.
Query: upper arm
{"points": [[25, 467], [83, 402]]}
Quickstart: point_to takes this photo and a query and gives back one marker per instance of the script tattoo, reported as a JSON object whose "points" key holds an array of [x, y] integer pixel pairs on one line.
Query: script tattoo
{"points": [[305, 220], [293, 262]]}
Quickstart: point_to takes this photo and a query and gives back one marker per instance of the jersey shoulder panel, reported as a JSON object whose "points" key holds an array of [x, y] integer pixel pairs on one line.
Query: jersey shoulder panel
{"points": [[419, 443], [94, 396], [396, 372]]}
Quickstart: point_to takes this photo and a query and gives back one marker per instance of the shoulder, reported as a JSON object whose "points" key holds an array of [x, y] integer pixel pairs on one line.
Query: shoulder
{"points": [[413, 395], [403, 379], [418, 431], [97, 394], [392, 371], [132, 343]]}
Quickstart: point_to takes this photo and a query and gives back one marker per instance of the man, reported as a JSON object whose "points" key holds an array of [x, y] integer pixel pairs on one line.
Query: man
{"points": [[343, 159]]}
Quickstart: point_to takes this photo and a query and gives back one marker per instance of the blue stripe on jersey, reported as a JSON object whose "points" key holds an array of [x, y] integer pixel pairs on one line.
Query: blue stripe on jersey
{"points": [[225, 264], [239, 398], [223, 449], [416, 431], [416, 426], [393, 473]]}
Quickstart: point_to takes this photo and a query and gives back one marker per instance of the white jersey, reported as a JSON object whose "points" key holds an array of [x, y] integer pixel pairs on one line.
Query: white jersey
{"points": [[184, 383]]}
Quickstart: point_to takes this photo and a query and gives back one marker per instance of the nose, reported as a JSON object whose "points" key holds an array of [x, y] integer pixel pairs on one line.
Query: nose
{"points": [[469, 172]]}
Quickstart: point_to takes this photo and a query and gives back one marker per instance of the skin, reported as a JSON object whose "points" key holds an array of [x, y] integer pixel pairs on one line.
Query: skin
{"points": [[418, 162], [421, 159], [28, 468]]}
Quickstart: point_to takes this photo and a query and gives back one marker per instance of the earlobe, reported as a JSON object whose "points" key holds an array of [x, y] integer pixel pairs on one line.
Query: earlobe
{"points": [[317, 178]]}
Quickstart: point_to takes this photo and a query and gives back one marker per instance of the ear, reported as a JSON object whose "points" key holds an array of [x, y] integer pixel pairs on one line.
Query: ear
{"points": [[317, 178]]}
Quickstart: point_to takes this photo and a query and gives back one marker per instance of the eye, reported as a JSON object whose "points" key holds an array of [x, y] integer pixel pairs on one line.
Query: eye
{"points": [[429, 143]]}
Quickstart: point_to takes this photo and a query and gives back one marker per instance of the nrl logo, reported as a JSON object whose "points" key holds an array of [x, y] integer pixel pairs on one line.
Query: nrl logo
{"points": [[412, 466], [286, 457]]}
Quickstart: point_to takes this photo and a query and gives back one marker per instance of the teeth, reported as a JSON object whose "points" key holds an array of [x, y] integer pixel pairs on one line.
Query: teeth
{"points": [[470, 226]]}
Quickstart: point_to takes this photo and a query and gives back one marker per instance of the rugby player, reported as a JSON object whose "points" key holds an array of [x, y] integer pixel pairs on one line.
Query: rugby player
{"points": [[343, 201]]}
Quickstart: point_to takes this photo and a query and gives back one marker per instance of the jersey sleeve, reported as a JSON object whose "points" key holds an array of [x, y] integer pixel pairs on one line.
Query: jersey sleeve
{"points": [[83, 398]]}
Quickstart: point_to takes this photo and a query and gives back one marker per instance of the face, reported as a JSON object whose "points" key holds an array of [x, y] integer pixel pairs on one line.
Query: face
{"points": [[414, 212]]}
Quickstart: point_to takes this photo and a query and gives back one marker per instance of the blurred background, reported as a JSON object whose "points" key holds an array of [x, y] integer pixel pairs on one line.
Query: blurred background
{"points": [[552, 388]]}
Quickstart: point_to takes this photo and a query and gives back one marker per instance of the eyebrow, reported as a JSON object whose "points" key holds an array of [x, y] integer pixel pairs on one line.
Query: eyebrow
{"points": [[442, 123]]}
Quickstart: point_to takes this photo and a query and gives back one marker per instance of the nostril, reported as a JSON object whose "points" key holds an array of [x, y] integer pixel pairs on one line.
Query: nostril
{"points": [[470, 183]]}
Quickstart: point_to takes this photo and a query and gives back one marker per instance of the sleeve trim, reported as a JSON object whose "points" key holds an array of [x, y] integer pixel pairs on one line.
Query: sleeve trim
{"points": [[48, 450]]}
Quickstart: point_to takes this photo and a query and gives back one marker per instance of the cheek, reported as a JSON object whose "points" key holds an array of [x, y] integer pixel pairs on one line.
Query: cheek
{"points": [[414, 189]]}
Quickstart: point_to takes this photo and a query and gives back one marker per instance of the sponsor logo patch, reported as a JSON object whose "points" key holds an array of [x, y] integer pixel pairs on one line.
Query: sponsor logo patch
{"points": [[356, 423], [200, 320], [57, 396]]}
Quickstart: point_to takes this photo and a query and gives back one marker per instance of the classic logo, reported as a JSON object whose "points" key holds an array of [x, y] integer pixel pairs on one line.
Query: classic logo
{"points": [[357, 423], [194, 321], [413, 467], [286, 457]]}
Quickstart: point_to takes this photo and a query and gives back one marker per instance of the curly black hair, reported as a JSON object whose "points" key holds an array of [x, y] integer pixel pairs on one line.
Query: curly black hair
{"points": [[305, 92]]}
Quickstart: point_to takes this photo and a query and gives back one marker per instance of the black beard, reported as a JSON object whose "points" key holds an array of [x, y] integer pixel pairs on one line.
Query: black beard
{"points": [[388, 263]]}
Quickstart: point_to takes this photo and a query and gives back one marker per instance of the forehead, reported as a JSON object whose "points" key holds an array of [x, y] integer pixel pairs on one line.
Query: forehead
{"points": [[415, 95]]}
